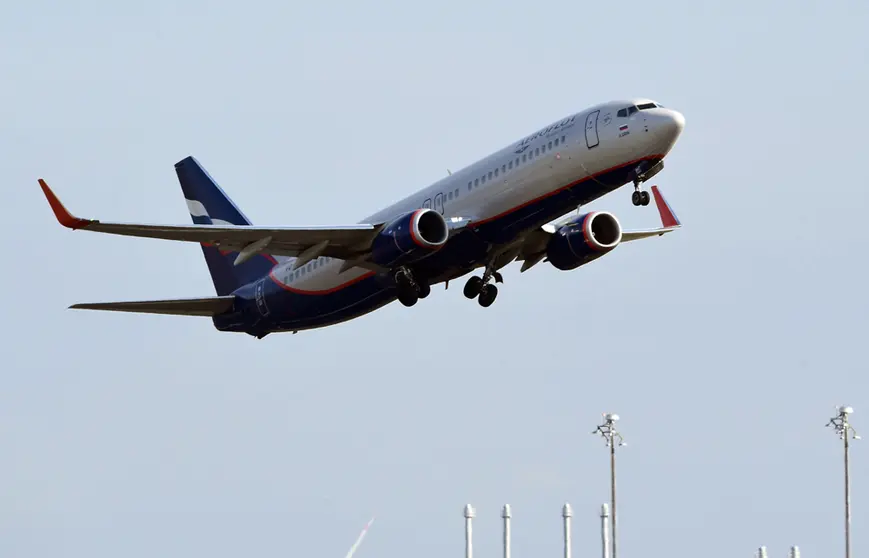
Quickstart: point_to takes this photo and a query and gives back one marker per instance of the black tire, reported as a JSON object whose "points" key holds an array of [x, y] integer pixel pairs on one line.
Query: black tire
{"points": [[473, 287], [645, 198], [407, 297], [488, 295], [636, 199], [424, 290]]}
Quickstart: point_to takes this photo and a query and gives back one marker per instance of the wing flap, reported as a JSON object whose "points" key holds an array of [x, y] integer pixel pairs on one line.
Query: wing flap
{"points": [[209, 306]]}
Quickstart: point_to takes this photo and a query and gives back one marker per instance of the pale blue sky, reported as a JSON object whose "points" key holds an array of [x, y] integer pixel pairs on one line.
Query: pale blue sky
{"points": [[137, 436]]}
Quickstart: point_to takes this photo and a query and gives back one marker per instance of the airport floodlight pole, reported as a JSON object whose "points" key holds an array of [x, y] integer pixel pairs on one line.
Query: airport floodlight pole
{"points": [[844, 429], [609, 433]]}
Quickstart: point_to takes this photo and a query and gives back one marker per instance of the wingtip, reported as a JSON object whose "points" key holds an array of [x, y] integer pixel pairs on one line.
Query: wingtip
{"points": [[668, 216], [64, 217]]}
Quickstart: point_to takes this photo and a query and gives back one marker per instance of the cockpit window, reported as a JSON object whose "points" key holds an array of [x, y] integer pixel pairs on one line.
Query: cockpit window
{"points": [[626, 112], [645, 106]]}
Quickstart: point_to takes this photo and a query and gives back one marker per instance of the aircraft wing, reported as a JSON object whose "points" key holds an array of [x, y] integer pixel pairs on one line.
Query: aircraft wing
{"points": [[343, 242], [533, 249]]}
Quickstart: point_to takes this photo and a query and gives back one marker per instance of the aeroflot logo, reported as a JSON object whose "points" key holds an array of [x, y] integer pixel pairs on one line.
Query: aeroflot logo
{"points": [[523, 145]]}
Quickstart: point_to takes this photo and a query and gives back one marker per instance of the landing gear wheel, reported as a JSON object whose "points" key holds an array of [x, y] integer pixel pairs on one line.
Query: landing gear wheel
{"points": [[407, 291], [407, 297], [487, 295], [636, 198], [424, 290], [644, 198], [473, 287]]}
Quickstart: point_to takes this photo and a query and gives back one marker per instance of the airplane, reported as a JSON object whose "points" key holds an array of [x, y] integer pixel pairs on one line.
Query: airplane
{"points": [[513, 205]]}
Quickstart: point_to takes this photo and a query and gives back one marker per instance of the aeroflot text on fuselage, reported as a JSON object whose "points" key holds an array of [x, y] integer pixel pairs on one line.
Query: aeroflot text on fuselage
{"points": [[522, 145]]}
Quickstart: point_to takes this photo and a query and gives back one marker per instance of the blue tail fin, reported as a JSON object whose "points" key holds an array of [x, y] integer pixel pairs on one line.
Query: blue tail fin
{"points": [[208, 205]]}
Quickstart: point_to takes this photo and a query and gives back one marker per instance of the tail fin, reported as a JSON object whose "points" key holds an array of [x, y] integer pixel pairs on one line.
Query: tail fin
{"points": [[208, 205]]}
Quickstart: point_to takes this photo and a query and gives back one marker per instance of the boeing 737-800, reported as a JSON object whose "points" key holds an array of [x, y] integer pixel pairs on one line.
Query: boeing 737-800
{"points": [[498, 210]]}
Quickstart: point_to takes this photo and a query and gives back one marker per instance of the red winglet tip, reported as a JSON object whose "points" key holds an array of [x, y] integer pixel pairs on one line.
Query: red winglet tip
{"points": [[668, 218], [64, 217]]}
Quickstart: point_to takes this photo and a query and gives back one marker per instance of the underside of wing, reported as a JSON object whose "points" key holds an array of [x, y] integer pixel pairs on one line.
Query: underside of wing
{"points": [[210, 306]]}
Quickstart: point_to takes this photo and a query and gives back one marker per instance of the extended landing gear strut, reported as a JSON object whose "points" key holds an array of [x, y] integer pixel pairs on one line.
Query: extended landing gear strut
{"points": [[410, 290], [640, 174], [480, 287]]}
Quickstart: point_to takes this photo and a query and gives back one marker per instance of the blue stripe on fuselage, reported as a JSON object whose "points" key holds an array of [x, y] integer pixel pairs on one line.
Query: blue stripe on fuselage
{"points": [[265, 306]]}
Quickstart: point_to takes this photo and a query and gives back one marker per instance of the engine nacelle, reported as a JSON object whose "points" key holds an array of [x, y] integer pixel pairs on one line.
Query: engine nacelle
{"points": [[409, 238], [583, 239]]}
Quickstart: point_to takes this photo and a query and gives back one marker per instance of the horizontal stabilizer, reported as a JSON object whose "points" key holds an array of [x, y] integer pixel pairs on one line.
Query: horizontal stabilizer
{"points": [[210, 306]]}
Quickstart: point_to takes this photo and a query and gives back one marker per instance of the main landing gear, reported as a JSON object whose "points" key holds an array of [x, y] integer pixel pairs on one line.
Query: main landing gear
{"points": [[479, 288], [410, 290]]}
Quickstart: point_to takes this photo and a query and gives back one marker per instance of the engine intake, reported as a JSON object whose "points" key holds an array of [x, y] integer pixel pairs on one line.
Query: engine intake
{"points": [[409, 238], [584, 239]]}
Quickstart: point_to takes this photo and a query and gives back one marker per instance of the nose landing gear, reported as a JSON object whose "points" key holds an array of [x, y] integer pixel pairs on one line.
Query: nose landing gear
{"points": [[639, 197], [640, 174]]}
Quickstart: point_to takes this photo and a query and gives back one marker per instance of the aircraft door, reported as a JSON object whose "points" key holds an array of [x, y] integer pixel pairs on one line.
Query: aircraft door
{"points": [[439, 203], [591, 139]]}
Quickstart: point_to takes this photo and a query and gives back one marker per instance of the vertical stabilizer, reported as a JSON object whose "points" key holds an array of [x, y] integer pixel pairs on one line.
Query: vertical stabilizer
{"points": [[209, 205]]}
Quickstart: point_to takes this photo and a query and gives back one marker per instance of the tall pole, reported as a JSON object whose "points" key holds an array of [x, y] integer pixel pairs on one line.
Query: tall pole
{"points": [[844, 429], [505, 515], [469, 534], [608, 431], [566, 514], [604, 535], [613, 493]]}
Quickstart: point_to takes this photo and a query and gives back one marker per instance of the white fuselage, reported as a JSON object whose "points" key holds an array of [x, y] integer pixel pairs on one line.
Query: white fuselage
{"points": [[579, 146]]}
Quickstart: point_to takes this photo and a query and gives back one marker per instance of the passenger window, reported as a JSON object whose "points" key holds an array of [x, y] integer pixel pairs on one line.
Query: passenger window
{"points": [[483, 181], [490, 175], [562, 139], [457, 192], [550, 145], [503, 168], [537, 152], [496, 172], [470, 185], [510, 166], [556, 142], [476, 182], [517, 161], [450, 196], [523, 157]]}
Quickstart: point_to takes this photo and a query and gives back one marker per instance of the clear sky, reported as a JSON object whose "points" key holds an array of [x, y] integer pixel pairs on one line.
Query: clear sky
{"points": [[724, 347]]}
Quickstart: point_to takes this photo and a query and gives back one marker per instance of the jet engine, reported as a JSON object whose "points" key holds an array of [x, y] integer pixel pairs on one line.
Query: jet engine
{"points": [[583, 239], [409, 238]]}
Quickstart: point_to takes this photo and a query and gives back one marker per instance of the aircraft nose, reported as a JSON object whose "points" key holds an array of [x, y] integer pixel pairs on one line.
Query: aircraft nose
{"points": [[669, 127], [674, 123]]}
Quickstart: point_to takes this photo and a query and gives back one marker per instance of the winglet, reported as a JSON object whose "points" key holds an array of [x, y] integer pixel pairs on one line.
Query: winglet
{"points": [[64, 217], [668, 217]]}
